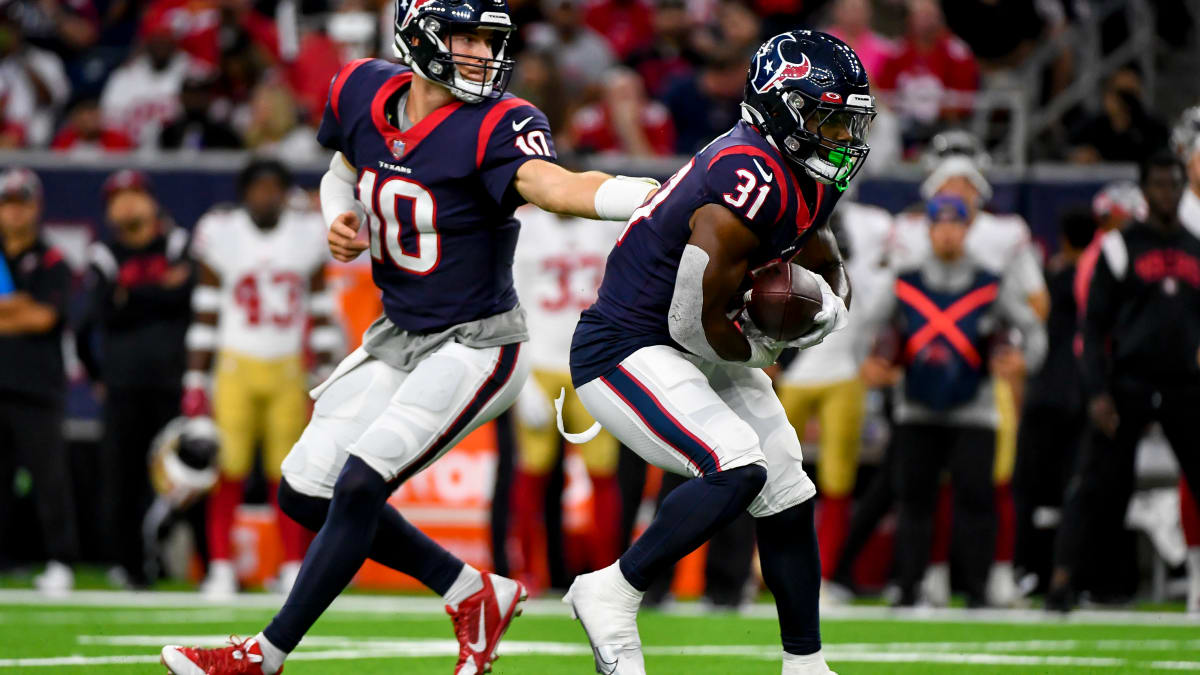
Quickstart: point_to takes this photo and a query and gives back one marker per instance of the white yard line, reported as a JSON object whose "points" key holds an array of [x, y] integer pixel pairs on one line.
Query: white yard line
{"points": [[425, 605]]}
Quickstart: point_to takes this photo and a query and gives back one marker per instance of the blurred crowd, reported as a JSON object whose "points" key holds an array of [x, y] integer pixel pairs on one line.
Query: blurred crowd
{"points": [[623, 76]]}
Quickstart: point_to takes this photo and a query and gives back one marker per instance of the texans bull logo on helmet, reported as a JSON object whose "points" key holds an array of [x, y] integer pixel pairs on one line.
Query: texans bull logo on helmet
{"points": [[785, 70]]}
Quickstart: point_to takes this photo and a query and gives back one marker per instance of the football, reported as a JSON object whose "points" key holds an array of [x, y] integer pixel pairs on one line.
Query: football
{"points": [[784, 300]]}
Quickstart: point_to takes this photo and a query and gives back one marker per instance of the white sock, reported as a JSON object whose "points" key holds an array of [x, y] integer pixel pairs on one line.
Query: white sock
{"points": [[1193, 562], [469, 582], [804, 663], [621, 584], [273, 656]]}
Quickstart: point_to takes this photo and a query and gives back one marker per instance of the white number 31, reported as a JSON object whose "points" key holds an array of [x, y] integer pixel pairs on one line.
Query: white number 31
{"points": [[744, 187]]}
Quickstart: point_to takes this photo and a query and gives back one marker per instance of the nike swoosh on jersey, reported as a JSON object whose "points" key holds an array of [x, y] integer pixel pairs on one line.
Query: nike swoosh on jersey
{"points": [[517, 126], [481, 642], [763, 172]]}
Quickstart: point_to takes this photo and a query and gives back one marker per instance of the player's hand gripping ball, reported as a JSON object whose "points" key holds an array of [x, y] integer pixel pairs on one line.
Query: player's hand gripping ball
{"points": [[784, 300]]}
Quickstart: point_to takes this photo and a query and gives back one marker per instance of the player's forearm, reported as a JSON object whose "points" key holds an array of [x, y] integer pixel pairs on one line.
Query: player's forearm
{"points": [[337, 191], [28, 317], [834, 274], [562, 191], [325, 338], [201, 338]]}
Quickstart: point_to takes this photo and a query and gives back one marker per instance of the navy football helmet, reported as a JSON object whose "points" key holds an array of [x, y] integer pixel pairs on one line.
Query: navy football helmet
{"points": [[424, 29], [808, 93]]}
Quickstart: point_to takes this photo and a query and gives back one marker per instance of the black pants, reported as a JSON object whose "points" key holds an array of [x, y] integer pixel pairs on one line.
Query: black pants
{"points": [[1047, 445], [132, 417], [869, 510], [31, 436], [922, 452], [1098, 493]]}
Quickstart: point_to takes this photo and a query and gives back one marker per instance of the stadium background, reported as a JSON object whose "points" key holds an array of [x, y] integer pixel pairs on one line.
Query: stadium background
{"points": [[1034, 92]]}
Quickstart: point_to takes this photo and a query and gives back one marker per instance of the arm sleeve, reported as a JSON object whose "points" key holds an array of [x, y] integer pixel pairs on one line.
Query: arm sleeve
{"points": [[1102, 296], [739, 183], [205, 246], [519, 134]]}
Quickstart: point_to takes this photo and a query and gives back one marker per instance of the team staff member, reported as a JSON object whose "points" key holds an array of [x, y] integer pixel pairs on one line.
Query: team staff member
{"points": [[946, 311], [261, 268], [1141, 363], [140, 285], [32, 379]]}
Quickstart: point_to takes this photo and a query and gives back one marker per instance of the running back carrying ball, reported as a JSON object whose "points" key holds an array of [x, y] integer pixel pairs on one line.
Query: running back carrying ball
{"points": [[784, 300]]}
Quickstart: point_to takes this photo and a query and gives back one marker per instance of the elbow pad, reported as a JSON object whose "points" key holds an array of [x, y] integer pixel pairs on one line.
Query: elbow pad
{"points": [[618, 197], [337, 191]]}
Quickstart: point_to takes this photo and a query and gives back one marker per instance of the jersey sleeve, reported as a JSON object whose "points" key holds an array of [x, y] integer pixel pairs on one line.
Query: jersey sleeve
{"points": [[752, 187], [513, 132], [206, 242], [331, 133]]}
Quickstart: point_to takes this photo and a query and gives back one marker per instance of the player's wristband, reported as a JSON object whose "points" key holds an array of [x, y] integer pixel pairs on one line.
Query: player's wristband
{"points": [[619, 196]]}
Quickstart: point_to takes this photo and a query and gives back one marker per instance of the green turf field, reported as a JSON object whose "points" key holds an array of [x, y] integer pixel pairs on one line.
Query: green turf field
{"points": [[109, 632]]}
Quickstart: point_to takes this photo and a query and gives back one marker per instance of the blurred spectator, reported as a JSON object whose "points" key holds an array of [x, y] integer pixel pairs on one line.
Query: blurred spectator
{"points": [[65, 27], [851, 23], [628, 25], [260, 292], [1000, 34], [624, 121], [243, 65], [1052, 419], [139, 291], [195, 129], [85, 132], [274, 128], [822, 382], [1141, 363], [33, 383], [583, 55], [206, 28], [142, 96], [945, 314], [33, 86], [558, 266], [736, 29], [537, 80], [1124, 130], [706, 104], [349, 33], [1186, 139], [669, 55], [932, 75]]}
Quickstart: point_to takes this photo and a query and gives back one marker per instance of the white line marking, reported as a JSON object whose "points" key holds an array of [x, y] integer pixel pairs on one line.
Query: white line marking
{"points": [[432, 605]]}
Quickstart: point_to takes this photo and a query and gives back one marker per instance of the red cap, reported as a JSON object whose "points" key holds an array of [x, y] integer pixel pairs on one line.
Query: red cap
{"points": [[125, 179]]}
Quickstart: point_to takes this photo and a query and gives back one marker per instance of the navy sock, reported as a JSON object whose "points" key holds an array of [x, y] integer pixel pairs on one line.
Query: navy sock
{"points": [[687, 518], [339, 549], [397, 544], [791, 566]]}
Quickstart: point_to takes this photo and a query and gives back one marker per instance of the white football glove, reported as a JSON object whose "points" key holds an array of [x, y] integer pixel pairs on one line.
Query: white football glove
{"points": [[833, 316], [764, 351]]}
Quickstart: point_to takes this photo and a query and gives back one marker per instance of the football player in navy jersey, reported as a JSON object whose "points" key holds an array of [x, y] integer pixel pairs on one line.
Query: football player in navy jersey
{"points": [[660, 363], [433, 158]]}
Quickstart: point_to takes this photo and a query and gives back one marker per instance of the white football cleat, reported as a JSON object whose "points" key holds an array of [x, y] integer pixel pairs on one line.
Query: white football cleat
{"points": [[1002, 586], [57, 579], [221, 582], [607, 607], [935, 587], [288, 572]]}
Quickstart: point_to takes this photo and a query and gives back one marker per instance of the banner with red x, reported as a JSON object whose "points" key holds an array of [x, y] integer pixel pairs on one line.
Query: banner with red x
{"points": [[944, 322]]}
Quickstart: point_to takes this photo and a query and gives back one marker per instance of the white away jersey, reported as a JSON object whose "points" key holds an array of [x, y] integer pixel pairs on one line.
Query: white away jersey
{"points": [[264, 277], [1001, 243], [837, 357], [558, 267]]}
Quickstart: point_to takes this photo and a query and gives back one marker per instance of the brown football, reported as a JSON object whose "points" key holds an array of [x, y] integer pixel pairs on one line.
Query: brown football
{"points": [[785, 300]]}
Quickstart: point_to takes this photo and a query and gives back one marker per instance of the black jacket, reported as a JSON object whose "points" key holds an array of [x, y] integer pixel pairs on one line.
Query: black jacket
{"points": [[1143, 311], [133, 333], [32, 365]]}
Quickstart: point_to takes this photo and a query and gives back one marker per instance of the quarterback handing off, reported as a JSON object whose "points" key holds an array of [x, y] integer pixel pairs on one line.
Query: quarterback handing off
{"points": [[659, 362], [433, 158]]}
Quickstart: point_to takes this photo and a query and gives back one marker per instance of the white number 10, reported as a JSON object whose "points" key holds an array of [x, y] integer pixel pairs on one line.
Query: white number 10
{"points": [[386, 223]]}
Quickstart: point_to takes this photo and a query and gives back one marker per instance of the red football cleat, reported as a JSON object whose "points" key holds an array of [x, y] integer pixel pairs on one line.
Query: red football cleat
{"points": [[241, 657], [480, 622]]}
